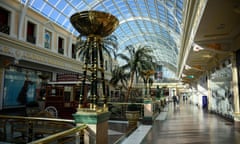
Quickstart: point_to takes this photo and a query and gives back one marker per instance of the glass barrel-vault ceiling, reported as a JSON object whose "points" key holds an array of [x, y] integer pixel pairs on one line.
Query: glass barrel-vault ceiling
{"points": [[156, 23]]}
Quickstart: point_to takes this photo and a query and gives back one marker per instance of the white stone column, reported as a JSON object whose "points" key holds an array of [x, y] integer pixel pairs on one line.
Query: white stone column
{"points": [[209, 91], [235, 84], [235, 91], [1, 86], [69, 47]]}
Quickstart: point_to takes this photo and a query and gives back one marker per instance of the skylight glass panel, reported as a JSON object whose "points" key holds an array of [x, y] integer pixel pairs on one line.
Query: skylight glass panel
{"points": [[132, 5], [148, 38], [99, 8], [68, 11], [119, 3], [23, 1], [126, 13], [118, 30], [61, 5], [161, 12], [37, 4], [149, 26], [169, 4], [144, 12], [161, 7], [75, 2], [171, 23], [180, 4], [54, 15], [111, 7], [118, 16], [170, 17], [113, 11], [89, 1], [141, 38], [151, 30], [122, 7], [178, 30], [53, 2], [128, 32], [82, 7], [107, 2], [76, 33], [150, 4], [153, 14], [142, 27], [139, 23], [156, 28], [61, 19], [131, 2], [124, 26], [135, 12], [67, 24], [179, 16], [165, 33], [133, 24], [46, 10], [128, 43], [163, 18]]}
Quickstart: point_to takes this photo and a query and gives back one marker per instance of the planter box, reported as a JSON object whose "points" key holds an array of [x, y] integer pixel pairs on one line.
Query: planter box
{"points": [[132, 117]]}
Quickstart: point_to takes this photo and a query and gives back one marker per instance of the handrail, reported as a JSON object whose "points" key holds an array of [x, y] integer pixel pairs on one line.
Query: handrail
{"points": [[125, 103], [29, 127], [36, 118], [59, 135]]}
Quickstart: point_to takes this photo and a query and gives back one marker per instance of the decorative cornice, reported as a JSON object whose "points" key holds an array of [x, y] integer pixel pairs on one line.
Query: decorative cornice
{"points": [[23, 51]]}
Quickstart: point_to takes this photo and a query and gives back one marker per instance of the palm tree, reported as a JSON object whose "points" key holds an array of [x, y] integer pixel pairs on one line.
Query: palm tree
{"points": [[137, 59], [145, 75], [119, 75]]}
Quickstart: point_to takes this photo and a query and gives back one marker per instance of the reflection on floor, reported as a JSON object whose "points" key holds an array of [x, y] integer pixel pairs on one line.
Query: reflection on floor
{"points": [[189, 124], [117, 129]]}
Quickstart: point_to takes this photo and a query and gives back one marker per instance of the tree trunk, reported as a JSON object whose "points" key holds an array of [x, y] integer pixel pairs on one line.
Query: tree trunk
{"points": [[130, 86]]}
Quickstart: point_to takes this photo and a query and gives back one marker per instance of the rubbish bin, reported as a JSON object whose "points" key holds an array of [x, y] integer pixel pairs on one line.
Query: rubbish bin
{"points": [[204, 102]]}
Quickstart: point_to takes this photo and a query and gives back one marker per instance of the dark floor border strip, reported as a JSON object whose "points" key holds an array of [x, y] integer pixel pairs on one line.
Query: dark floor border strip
{"points": [[131, 130]]}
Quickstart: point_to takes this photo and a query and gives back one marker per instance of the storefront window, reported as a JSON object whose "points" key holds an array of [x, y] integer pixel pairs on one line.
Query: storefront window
{"points": [[19, 87], [221, 89]]}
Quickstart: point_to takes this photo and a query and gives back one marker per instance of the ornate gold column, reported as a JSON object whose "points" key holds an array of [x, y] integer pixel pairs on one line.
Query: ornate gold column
{"points": [[95, 25]]}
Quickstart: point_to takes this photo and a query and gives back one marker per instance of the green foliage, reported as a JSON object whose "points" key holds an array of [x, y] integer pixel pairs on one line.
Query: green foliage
{"points": [[138, 58]]}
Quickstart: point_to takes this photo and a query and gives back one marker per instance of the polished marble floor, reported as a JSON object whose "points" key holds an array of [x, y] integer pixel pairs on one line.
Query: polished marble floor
{"points": [[189, 124], [186, 124]]}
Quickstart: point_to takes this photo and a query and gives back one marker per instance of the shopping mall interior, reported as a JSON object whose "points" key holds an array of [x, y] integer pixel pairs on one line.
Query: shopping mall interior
{"points": [[123, 71]]}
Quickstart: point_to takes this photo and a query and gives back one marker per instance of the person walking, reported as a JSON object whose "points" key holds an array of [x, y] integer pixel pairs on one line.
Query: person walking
{"points": [[178, 100], [174, 100]]}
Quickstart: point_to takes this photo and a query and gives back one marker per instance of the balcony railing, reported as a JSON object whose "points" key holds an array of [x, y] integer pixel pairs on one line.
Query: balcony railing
{"points": [[31, 39], [35, 130], [4, 28], [60, 50], [73, 135]]}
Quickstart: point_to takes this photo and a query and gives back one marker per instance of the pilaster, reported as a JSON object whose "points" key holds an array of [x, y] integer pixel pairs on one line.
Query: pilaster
{"points": [[97, 123]]}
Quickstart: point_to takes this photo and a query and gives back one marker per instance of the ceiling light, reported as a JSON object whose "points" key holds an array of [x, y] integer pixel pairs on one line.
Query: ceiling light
{"points": [[197, 48], [187, 67]]}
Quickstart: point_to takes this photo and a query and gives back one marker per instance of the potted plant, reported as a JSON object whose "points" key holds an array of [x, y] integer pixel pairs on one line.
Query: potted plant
{"points": [[132, 115]]}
